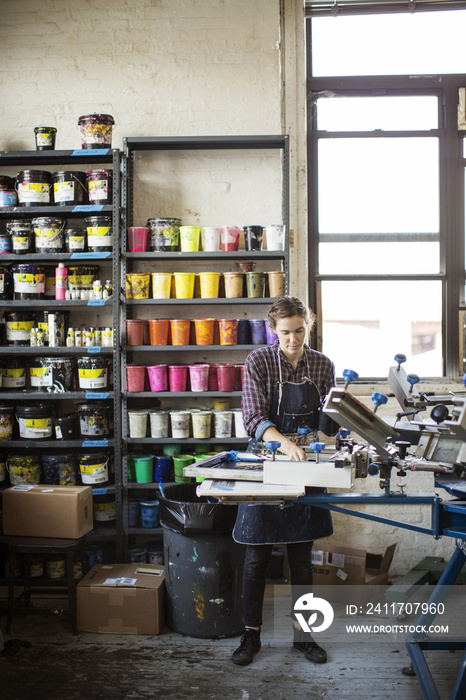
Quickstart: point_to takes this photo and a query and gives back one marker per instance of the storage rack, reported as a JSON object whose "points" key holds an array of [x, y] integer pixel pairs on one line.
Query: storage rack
{"points": [[111, 533], [131, 147]]}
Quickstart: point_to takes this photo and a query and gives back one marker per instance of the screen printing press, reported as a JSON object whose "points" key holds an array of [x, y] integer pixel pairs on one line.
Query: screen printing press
{"points": [[383, 449]]}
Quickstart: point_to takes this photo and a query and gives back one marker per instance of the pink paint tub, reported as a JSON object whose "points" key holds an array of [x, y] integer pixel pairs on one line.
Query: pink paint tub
{"points": [[199, 377], [135, 377], [135, 331], [226, 377], [213, 379], [158, 378], [230, 237], [177, 377]]}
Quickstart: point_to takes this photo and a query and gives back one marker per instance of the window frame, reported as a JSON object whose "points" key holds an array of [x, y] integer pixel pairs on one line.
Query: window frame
{"points": [[452, 166]]}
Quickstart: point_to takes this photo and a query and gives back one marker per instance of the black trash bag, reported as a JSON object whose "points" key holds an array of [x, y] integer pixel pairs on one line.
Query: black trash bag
{"points": [[184, 512]]}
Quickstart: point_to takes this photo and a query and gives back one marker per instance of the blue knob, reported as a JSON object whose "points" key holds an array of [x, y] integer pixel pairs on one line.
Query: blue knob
{"points": [[273, 446], [373, 469], [343, 433], [317, 447], [400, 358], [379, 399], [303, 431], [350, 375], [412, 379]]}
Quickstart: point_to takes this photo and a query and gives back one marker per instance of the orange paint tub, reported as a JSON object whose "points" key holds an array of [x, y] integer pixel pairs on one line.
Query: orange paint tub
{"points": [[228, 328], [180, 329], [158, 331], [204, 328]]}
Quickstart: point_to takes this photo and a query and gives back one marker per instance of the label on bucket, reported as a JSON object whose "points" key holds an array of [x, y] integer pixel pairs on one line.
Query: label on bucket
{"points": [[105, 511], [98, 189], [41, 376], [14, 378], [63, 191], [18, 330], [35, 427], [93, 473], [28, 283], [48, 238], [20, 243], [93, 378], [36, 192], [99, 236]]}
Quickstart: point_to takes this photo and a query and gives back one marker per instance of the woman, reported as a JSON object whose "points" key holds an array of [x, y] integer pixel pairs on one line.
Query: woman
{"points": [[285, 385]]}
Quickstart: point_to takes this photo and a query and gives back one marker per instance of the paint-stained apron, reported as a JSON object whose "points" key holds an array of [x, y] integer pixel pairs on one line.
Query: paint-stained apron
{"points": [[295, 405]]}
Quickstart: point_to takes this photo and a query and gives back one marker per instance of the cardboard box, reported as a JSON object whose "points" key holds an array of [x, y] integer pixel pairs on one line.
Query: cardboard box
{"points": [[342, 568], [122, 599], [47, 511]]}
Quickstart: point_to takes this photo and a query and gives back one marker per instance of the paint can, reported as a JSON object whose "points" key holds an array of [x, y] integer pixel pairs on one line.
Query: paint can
{"points": [[96, 130], [94, 554], [35, 422], [45, 138], [18, 326], [100, 186], [155, 553], [14, 373], [34, 188], [75, 240], [164, 234], [104, 508], [149, 513], [81, 278], [22, 236], [93, 373], [94, 419], [137, 554], [6, 422], [52, 374], [23, 469], [69, 188], [55, 566], [94, 468], [8, 196], [99, 234], [60, 469], [28, 282]]}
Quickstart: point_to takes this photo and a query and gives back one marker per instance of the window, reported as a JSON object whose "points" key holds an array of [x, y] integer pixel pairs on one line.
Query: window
{"points": [[386, 191]]}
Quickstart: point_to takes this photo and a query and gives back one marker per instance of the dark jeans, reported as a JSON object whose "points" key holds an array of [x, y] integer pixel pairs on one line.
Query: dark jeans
{"points": [[255, 572]]}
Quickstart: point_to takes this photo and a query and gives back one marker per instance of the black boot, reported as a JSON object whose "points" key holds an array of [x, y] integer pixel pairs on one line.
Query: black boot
{"points": [[306, 645], [249, 646]]}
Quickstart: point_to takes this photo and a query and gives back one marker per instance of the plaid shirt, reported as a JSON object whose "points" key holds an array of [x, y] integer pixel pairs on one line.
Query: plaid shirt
{"points": [[261, 376]]}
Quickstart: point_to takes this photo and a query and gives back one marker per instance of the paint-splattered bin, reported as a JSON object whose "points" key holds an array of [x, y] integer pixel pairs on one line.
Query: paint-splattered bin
{"points": [[203, 565]]}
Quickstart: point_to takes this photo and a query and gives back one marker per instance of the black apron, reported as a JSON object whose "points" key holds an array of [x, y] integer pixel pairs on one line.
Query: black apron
{"points": [[294, 405]]}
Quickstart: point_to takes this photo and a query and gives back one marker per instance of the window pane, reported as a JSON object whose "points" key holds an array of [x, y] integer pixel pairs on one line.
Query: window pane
{"points": [[421, 43], [379, 258], [341, 113], [378, 185], [365, 324]]}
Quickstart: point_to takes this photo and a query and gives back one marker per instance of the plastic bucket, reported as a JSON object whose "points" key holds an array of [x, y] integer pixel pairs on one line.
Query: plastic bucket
{"points": [[202, 421], [60, 469], [255, 284], [184, 285], [223, 421], [158, 331], [159, 424], [276, 283], [135, 331], [45, 137], [258, 332], [35, 422], [270, 334], [164, 234], [209, 283], [226, 377], [228, 328], [52, 374], [240, 430], [253, 237], [49, 233], [149, 513], [163, 467], [99, 234], [275, 235], [233, 284], [137, 239], [137, 424], [229, 236], [100, 186], [28, 282], [135, 377], [93, 468], [155, 554], [244, 332], [180, 421], [210, 239], [161, 285], [179, 462], [96, 130], [189, 239], [144, 468], [199, 377], [137, 554], [104, 508], [158, 377], [180, 331], [14, 373], [94, 373], [22, 236], [6, 422], [34, 188], [23, 469], [204, 331], [69, 188], [18, 326], [94, 420], [75, 240], [177, 377]]}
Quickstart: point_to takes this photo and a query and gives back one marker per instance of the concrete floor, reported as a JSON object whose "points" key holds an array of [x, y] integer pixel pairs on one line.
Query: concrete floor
{"points": [[49, 662]]}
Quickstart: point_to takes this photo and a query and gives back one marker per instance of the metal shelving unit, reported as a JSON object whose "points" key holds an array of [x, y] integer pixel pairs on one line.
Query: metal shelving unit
{"points": [[132, 147], [72, 159]]}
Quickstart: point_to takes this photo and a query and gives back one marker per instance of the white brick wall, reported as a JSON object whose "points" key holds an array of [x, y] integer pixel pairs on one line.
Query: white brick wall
{"points": [[179, 67]]}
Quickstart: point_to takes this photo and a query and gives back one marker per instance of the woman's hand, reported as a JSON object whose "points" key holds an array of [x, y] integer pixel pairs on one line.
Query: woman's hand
{"points": [[288, 448]]}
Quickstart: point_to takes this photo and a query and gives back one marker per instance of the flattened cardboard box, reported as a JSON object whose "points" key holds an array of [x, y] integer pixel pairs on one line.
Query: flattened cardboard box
{"points": [[122, 599], [47, 511], [342, 568]]}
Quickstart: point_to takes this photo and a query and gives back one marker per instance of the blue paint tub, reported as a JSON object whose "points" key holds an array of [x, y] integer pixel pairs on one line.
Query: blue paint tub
{"points": [[163, 467], [149, 513], [258, 331]]}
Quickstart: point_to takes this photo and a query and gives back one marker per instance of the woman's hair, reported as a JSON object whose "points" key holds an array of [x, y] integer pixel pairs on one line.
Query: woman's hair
{"points": [[286, 307]]}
